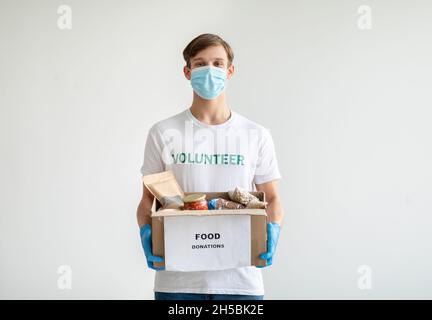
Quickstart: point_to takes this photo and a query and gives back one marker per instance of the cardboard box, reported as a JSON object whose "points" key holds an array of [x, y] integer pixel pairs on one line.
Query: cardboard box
{"points": [[198, 240]]}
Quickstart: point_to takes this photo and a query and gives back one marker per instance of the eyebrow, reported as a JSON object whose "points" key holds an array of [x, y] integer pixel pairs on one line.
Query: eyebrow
{"points": [[200, 59]]}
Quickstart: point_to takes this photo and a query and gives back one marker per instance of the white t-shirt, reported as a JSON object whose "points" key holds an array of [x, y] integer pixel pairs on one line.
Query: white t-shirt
{"points": [[206, 158]]}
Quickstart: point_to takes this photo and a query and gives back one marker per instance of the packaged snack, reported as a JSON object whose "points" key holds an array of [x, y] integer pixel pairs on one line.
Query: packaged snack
{"points": [[256, 204], [195, 201], [165, 188], [241, 196], [245, 198], [221, 203]]}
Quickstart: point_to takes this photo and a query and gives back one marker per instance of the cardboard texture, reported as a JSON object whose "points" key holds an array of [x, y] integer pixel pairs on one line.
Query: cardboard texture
{"points": [[258, 225]]}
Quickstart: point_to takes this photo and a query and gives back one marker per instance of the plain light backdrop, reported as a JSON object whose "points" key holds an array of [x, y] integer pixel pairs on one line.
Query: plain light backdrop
{"points": [[349, 110]]}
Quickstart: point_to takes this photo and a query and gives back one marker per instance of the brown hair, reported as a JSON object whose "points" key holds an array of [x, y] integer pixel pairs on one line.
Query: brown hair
{"points": [[204, 41]]}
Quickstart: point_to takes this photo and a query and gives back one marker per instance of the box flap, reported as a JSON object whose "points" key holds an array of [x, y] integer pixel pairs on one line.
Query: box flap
{"points": [[209, 195], [173, 212]]}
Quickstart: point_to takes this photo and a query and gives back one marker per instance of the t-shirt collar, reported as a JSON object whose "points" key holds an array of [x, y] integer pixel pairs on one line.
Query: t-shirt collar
{"points": [[211, 126]]}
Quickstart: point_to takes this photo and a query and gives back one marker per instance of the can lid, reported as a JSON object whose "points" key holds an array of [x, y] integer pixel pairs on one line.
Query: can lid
{"points": [[194, 197]]}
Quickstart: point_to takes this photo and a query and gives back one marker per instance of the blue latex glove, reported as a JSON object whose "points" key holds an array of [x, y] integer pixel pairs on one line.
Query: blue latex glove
{"points": [[273, 230], [146, 241]]}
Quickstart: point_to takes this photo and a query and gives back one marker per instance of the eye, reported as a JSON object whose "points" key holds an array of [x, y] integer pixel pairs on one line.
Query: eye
{"points": [[219, 64]]}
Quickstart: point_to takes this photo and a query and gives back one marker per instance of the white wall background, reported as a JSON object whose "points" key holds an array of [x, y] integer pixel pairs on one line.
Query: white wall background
{"points": [[349, 110]]}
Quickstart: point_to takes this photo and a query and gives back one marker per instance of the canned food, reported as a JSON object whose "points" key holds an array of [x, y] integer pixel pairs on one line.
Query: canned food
{"points": [[195, 201]]}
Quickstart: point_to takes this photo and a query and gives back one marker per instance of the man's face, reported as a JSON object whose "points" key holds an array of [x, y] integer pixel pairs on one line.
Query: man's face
{"points": [[212, 56]]}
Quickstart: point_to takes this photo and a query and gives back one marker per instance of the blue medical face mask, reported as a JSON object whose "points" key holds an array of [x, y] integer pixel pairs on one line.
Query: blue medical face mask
{"points": [[208, 81]]}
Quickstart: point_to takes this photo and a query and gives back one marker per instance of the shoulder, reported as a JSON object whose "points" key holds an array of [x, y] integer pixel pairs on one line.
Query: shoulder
{"points": [[173, 122], [249, 124]]}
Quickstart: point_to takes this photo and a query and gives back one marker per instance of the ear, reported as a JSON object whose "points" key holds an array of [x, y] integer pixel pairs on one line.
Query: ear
{"points": [[187, 72], [230, 71]]}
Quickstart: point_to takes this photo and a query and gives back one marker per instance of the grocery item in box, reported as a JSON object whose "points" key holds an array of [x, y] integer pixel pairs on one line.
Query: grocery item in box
{"points": [[195, 201], [245, 198], [221, 203], [165, 188]]}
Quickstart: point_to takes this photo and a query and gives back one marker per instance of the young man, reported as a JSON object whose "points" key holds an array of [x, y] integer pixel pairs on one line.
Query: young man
{"points": [[209, 147]]}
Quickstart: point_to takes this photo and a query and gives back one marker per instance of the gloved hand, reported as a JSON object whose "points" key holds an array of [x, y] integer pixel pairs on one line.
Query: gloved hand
{"points": [[273, 230], [146, 241]]}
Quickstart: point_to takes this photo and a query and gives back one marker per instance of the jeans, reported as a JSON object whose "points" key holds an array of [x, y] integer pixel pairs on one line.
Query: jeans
{"points": [[203, 296]]}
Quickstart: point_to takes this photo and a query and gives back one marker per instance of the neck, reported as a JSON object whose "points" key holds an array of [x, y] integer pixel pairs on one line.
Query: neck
{"points": [[211, 112]]}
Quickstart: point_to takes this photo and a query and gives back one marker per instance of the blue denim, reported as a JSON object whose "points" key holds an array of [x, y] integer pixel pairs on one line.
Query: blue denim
{"points": [[203, 296]]}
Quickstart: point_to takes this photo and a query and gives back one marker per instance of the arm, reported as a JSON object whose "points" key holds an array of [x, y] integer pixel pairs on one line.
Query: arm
{"points": [[274, 209], [144, 207], [152, 163], [144, 223], [275, 216]]}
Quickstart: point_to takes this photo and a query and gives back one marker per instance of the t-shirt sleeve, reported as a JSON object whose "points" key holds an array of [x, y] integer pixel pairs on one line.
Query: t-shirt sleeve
{"points": [[267, 168], [153, 162]]}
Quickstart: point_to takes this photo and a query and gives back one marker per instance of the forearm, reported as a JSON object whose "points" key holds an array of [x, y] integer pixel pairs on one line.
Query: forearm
{"points": [[274, 210], [144, 209], [143, 215]]}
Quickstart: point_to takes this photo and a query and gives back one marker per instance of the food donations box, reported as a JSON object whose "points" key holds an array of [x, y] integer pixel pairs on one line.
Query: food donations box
{"points": [[204, 240]]}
